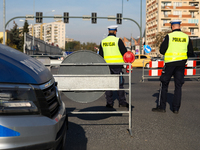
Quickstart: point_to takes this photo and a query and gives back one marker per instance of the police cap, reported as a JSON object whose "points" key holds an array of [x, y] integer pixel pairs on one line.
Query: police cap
{"points": [[175, 22], [113, 27]]}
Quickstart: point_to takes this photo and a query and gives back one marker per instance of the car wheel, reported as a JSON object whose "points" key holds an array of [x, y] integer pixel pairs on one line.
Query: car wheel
{"points": [[147, 65]]}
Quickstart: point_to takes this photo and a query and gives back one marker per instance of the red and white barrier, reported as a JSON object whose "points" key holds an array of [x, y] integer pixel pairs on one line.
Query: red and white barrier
{"points": [[160, 64], [155, 72], [156, 64], [190, 72], [191, 63]]}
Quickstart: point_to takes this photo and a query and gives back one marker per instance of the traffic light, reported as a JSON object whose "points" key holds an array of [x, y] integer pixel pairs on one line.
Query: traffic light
{"points": [[39, 17], [66, 17], [94, 17], [119, 18]]}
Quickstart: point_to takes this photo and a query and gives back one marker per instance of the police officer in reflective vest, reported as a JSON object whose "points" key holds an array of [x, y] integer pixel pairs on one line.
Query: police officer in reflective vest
{"points": [[112, 50], [176, 48]]}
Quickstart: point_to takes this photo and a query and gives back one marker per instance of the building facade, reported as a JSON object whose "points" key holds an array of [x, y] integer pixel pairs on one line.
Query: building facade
{"points": [[160, 12], [52, 33]]}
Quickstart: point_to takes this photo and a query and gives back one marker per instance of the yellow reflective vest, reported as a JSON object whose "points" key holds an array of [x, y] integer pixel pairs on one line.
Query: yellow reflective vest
{"points": [[111, 50], [177, 47]]}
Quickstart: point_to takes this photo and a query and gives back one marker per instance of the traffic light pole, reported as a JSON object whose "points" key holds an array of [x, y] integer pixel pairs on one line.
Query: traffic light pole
{"points": [[59, 17]]}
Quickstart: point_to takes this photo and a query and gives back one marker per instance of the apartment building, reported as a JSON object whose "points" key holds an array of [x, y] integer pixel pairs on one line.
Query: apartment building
{"points": [[160, 12], [52, 33]]}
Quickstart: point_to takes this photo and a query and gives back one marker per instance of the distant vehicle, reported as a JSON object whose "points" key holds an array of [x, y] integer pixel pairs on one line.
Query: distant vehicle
{"points": [[157, 59], [141, 60], [32, 114]]}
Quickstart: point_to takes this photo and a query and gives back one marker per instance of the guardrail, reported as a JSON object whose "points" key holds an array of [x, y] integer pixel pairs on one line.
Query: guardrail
{"points": [[154, 71]]}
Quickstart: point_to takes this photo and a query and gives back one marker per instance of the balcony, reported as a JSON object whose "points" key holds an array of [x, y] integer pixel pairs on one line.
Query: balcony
{"points": [[192, 33], [151, 19], [180, 7], [183, 24]]}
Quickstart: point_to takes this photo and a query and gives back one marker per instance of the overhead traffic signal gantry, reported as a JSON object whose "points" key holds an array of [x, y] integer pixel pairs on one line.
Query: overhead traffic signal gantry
{"points": [[94, 17], [66, 17], [39, 17], [119, 18]]}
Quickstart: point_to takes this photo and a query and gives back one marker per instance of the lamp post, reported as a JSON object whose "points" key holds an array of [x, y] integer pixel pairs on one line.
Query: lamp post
{"points": [[122, 6], [4, 22], [141, 27], [140, 24], [50, 11], [33, 25]]}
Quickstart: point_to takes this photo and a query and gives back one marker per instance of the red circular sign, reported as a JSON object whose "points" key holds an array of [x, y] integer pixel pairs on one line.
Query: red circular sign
{"points": [[129, 57]]}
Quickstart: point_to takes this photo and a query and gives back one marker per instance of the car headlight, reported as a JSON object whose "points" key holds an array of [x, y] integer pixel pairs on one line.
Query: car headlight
{"points": [[58, 95], [17, 99]]}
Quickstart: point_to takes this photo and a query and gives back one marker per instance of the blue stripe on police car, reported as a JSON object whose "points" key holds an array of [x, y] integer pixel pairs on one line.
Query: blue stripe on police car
{"points": [[6, 132]]}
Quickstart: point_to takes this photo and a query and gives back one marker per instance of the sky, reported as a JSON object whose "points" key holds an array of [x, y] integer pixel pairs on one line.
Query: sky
{"points": [[77, 28]]}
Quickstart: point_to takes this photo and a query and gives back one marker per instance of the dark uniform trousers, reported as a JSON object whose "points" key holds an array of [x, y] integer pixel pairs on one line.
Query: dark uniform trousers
{"points": [[168, 72], [121, 94]]}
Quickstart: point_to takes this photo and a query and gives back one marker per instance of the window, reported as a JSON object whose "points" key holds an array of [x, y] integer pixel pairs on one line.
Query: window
{"points": [[192, 31], [143, 57], [193, 20], [165, 21], [192, 14], [165, 13], [176, 12], [177, 3]]}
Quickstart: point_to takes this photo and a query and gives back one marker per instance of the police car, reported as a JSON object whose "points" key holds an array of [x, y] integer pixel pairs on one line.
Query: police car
{"points": [[32, 115]]}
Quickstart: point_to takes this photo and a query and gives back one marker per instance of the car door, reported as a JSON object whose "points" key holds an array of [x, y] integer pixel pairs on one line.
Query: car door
{"points": [[136, 61]]}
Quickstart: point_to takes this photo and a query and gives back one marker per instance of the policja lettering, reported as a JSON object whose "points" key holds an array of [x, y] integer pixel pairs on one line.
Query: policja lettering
{"points": [[176, 39], [108, 44]]}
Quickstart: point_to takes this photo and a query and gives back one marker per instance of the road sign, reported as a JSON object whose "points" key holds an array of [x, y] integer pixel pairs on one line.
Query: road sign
{"points": [[111, 18], [29, 17], [57, 17], [81, 57], [147, 48], [86, 17], [136, 51]]}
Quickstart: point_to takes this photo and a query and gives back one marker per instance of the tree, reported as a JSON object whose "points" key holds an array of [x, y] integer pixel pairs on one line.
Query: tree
{"points": [[25, 30], [159, 38], [15, 37], [73, 46], [76, 45]]}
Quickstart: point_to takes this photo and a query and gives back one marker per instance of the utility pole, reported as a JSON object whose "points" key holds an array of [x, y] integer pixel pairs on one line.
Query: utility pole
{"points": [[4, 21], [141, 28], [33, 23]]}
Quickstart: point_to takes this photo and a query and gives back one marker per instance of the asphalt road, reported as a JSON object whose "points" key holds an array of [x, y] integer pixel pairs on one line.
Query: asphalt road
{"points": [[151, 130]]}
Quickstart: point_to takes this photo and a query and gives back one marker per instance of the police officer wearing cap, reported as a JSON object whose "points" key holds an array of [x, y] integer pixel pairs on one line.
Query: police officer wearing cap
{"points": [[112, 50], [176, 48]]}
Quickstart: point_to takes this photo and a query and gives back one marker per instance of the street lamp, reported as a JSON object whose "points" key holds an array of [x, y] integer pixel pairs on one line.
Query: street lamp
{"points": [[50, 11], [141, 27], [33, 25], [140, 24], [4, 22], [122, 6]]}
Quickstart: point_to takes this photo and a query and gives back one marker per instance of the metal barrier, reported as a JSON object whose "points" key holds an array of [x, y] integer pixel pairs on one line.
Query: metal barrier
{"points": [[40, 47], [155, 69], [100, 82]]}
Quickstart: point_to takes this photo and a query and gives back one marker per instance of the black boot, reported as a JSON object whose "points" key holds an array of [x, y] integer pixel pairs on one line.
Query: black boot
{"points": [[109, 106], [158, 109]]}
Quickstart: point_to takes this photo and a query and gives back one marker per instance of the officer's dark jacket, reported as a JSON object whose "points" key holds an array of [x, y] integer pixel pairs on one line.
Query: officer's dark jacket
{"points": [[122, 49], [164, 47]]}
